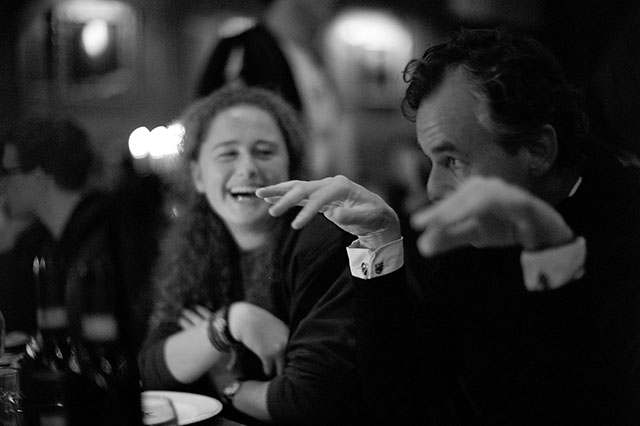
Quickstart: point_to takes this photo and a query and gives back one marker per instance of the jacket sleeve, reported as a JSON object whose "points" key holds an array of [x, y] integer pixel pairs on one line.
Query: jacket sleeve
{"points": [[319, 383], [405, 354]]}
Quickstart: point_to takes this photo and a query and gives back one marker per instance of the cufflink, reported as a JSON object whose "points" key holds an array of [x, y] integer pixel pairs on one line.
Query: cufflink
{"points": [[364, 268]]}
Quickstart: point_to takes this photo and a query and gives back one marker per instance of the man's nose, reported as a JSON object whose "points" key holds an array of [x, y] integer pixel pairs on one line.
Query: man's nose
{"points": [[435, 189], [438, 186]]}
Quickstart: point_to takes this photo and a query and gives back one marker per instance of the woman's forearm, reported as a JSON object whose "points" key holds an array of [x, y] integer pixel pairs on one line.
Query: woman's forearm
{"points": [[251, 399], [189, 354]]}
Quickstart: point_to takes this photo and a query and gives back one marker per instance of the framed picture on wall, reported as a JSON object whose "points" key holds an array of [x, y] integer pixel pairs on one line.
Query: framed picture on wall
{"points": [[94, 46], [367, 50], [80, 52]]}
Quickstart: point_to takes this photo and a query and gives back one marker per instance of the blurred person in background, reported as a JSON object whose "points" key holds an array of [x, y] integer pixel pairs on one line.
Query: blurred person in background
{"points": [[528, 312], [282, 52], [246, 309], [48, 165], [21, 239]]}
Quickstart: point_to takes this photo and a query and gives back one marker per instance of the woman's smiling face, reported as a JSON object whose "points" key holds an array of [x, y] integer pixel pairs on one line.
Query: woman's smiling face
{"points": [[242, 150]]}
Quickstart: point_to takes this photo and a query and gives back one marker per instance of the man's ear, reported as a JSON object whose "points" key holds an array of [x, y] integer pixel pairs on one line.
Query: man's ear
{"points": [[196, 177], [542, 153]]}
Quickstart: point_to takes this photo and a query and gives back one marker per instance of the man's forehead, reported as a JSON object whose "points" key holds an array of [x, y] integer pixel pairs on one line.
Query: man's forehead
{"points": [[457, 101], [457, 90]]}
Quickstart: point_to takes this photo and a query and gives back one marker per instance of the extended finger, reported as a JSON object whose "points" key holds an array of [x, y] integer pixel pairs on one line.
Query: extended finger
{"points": [[296, 195], [275, 199], [440, 238], [471, 197], [191, 316], [279, 364], [323, 198], [203, 312], [420, 219], [276, 190], [267, 366], [184, 323]]}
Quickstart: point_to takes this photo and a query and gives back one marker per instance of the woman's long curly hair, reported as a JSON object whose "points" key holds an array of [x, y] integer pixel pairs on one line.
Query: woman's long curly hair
{"points": [[200, 261]]}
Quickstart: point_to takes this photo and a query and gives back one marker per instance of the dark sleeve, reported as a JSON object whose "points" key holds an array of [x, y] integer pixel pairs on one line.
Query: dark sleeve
{"points": [[382, 333], [600, 313], [319, 384], [405, 350], [620, 331]]}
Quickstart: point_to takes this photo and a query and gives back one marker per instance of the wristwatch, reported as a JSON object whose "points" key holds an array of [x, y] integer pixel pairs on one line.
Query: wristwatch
{"points": [[230, 391]]}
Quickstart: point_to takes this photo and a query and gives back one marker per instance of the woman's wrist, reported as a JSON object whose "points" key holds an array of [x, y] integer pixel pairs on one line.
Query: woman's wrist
{"points": [[218, 331]]}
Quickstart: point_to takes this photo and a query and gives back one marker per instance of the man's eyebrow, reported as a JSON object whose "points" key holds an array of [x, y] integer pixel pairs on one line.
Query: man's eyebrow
{"points": [[444, 147]]}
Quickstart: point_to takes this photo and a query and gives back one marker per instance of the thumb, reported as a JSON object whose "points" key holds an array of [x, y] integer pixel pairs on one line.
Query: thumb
{"points": [[267, 367], [279, 365]]}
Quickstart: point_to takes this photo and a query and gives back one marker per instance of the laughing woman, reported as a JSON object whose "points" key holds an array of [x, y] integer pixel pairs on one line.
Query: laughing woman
{"points": [[248, 309]]}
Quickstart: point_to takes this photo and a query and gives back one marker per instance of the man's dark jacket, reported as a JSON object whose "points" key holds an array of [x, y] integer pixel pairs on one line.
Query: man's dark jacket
{"points": [[478, 348]]}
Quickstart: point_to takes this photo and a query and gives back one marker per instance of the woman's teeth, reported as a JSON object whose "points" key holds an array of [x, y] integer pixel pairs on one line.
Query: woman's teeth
{"points": [[243, 192]]}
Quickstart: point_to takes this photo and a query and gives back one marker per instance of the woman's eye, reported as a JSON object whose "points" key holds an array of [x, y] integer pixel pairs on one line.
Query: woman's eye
{"points": [[226, 155], [263, 153]]}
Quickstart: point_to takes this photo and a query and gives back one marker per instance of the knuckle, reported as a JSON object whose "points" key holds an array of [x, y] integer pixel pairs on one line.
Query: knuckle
{"points": [[341, 180]]}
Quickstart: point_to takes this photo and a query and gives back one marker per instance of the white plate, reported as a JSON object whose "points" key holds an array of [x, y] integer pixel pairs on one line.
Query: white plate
{"points": [[190, 407]]}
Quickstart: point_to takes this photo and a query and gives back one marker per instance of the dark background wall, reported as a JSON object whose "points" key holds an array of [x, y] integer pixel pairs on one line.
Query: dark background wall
{"points": [[595, 40]]}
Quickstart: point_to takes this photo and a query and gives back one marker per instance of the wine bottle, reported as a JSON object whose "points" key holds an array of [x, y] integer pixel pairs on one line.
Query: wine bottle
{"points": [[107, 390], [51, 355], [2, 334]]}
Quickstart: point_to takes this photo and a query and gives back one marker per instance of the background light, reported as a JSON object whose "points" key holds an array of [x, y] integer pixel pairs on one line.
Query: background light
{"points": [[95, 37], [157, 149], [372, 29], [139, 141]]}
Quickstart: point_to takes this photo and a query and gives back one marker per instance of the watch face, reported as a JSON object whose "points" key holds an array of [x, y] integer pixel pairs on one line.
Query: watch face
{"points": [[230, 390]]}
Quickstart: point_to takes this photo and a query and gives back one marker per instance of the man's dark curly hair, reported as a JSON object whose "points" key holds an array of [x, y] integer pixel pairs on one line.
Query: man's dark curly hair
{"points": [[522, 83], [200, 261]]}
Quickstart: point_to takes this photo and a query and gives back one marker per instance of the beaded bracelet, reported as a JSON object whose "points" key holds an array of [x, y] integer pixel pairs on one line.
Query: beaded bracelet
{"points": [[218, 331]]}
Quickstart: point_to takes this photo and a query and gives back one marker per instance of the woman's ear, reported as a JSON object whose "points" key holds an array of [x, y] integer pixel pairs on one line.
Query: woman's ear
{"points": [[542, 153], [196, 177]]}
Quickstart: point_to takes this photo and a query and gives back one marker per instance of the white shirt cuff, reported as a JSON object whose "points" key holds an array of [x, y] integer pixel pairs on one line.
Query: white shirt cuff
{"points": [[553, 268], [366, 263]]}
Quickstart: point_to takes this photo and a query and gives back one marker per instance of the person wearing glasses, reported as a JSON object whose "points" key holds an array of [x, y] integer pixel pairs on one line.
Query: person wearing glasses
{"points": [[83, 287], [21, 239], [528, 309], [49, 173]]}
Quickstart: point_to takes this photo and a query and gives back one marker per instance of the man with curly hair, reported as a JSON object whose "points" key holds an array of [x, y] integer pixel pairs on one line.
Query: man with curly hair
{"points": [[528, 308]]}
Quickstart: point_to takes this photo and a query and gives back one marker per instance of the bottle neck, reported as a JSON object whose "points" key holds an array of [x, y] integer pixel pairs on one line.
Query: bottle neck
{"points": [[50, 296], [2, 334]]}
